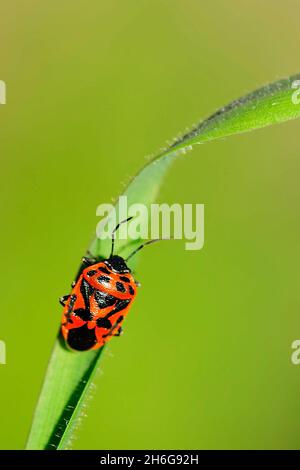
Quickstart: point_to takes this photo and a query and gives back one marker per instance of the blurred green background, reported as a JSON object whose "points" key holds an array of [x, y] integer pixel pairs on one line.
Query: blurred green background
{"points": [[93, 87]]}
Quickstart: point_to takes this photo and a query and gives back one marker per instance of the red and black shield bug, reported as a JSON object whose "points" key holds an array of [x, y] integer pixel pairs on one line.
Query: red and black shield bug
{"points": [[101, 298]]}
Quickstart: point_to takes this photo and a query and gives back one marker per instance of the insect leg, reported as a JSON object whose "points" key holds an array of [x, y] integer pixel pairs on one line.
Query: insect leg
{"points": [[119, 332], [63, 299], [68, 314], [88, 261]]}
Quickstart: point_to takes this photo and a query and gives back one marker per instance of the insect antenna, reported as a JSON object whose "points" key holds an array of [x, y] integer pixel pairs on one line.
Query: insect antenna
{"points": [[113, 234], [149, 242]]}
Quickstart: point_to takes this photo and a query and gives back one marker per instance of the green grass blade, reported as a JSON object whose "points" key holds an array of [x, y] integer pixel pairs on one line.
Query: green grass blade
{"points": [[69, 374], [66, 380], [271, 104]]}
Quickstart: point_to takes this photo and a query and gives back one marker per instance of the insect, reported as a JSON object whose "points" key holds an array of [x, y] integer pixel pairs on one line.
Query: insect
{"points": [[100, 299]]}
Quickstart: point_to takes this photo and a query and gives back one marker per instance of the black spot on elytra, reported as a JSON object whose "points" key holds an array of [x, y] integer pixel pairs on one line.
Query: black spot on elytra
{"points": [[104, 323], [104, 300], [131, 290], [103, 279], [124, 279], [119, 320], [104, 270], [86, 291], [82, 338], [120, 305], [84, 314], [92, 272], [120, 286]]}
